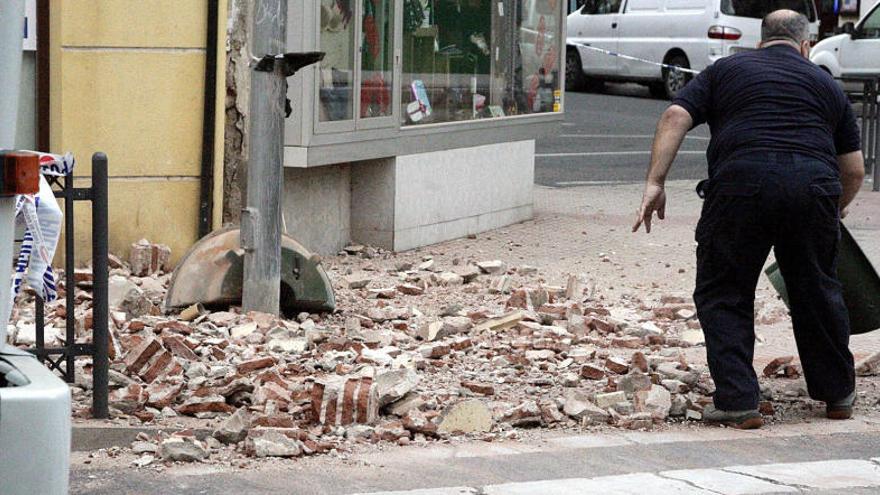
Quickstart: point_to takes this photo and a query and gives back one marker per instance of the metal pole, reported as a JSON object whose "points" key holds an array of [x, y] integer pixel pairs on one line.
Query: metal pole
{"points": [[40, 323], [100, 334], [261, 219], [69, 281], [11, 23], [11, 31], [873, 145]]}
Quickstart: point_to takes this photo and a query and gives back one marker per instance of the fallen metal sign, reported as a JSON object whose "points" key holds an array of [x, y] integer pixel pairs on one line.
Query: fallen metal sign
{"points": [[211, 273]]}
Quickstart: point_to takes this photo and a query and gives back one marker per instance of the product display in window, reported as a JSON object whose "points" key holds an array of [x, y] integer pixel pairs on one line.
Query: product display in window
{"points": [[377, 60], [479, 59], [336, 72]]}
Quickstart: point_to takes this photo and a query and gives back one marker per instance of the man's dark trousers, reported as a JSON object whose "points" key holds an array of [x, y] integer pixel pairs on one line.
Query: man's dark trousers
{"points": [[788, 202]]}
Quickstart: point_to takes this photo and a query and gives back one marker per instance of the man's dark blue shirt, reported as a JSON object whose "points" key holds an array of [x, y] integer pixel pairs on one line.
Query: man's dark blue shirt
{"points": [[772, 99]]}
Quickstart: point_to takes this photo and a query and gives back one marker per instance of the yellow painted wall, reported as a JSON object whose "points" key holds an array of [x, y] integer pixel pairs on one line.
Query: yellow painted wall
{"points": [[127, 78]]}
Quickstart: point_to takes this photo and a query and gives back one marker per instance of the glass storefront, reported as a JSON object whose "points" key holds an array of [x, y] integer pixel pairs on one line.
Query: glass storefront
{"points": [[377, 58], [336, 71], [474, 59], [458, 60]]}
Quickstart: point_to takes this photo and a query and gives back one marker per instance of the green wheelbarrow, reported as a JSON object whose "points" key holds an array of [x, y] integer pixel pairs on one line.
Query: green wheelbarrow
{"points": [[861, 285]]}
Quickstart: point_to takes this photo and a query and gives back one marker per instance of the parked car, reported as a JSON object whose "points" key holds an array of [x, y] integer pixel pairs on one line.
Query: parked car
{"points": [[855, 52], [34, 426], [34, 403], [685, 33]]}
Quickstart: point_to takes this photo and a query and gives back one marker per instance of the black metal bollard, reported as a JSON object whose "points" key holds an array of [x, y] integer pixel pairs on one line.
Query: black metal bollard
{"points": [[100, 335]]}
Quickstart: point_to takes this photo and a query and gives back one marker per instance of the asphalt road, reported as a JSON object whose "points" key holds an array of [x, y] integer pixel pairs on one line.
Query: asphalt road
{"points": [[616, 460], [607, 138]]}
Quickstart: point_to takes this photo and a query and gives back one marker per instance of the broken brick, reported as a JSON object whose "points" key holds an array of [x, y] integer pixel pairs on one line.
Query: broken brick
{"points": [[777, 364], [141, 354], [255, 364], [479, 388], [617, 365], [592, 372], [210, 403], [177, 345]]}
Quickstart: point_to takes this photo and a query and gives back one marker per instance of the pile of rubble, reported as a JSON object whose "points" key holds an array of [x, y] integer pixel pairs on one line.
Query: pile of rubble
{"points": [[417, 352]]}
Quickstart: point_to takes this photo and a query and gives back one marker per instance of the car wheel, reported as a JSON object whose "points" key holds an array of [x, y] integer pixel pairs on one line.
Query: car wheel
{"points": [[675, 80], [575, 80]]}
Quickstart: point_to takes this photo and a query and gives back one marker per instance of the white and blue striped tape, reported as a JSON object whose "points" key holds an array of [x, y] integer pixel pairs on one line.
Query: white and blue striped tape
{"points": [[42, 220], [637, 59]]}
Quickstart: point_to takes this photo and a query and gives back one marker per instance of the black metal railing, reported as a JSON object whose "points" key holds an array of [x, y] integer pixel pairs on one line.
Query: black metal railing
{"points": [[870, 122], [62, 359]]}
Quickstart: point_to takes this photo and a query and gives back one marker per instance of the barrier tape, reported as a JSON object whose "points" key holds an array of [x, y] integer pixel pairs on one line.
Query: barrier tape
{"points": [[637, 59], [42, 219]]}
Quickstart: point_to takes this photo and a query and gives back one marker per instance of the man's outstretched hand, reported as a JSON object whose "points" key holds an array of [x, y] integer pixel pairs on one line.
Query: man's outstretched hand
{"points": [[653, 200]]}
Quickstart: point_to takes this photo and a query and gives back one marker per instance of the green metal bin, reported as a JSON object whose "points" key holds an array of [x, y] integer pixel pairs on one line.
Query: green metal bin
{"points": [[861, 285]]}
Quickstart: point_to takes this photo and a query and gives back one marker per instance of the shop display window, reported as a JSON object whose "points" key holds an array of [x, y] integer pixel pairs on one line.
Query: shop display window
{"points": [[336, 72], [475, 59], [377, 58], [397, 69]]}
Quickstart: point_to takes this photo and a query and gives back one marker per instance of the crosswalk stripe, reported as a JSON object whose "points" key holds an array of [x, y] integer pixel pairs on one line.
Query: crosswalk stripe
{"points": [[727, 483], [734, 480], [459, 490], [828, 475]]}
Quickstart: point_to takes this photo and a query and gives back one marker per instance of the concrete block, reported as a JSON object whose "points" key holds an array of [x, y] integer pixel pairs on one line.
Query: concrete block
{"points": [[316, 206]]}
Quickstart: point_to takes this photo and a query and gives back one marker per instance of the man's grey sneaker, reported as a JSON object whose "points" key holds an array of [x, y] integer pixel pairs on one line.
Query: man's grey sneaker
{"points": [[841, 409], [743, 420]]}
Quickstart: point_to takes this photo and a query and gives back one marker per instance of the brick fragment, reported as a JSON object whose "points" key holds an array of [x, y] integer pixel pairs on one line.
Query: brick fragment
{"points": [[146, 258], [629, 342], [591, 372], [639, 362], [173, 326], [479, 387], [272, 391], [140, 355], [129, 399], [603, 326], [617, 365], [177, 345], [777, 364], [255, 364], [163, 394], [160, 365], [338, 401], [210, 403]]}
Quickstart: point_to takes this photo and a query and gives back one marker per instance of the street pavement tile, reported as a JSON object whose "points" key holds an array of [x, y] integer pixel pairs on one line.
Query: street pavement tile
{"points": [[826, 475], [727, 483]]}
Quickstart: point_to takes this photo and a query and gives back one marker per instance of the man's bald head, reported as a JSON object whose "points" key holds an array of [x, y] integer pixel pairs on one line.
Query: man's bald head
{"points": [[785, 25]]}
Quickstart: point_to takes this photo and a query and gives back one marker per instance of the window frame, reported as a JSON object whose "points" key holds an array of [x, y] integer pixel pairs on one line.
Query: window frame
{"points": [[860, 30], [309, 142], [357, 122]]}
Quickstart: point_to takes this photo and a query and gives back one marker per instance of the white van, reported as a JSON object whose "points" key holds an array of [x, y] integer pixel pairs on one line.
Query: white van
{"points": [[856, 52], [686, 33]]}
